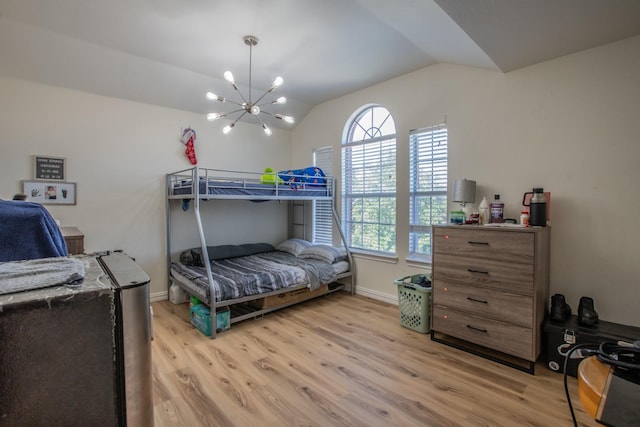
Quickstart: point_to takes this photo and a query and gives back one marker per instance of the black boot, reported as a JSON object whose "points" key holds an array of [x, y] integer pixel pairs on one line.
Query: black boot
{"points": [[560, 310], [587, 315]]}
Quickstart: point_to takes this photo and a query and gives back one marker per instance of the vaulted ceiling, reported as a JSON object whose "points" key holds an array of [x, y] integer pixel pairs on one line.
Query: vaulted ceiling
{"points": [[170, 52]]}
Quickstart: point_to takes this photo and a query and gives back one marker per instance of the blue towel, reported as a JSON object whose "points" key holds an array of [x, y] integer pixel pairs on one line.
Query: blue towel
{"points": [[28, 231]]}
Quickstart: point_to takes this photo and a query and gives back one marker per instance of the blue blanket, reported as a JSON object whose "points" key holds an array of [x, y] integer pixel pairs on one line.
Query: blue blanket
{"points": [[310, 176], [27, 231]]}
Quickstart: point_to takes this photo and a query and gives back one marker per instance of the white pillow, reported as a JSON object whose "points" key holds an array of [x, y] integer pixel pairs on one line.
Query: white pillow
{"points": [[325, 253], [293, 246]]}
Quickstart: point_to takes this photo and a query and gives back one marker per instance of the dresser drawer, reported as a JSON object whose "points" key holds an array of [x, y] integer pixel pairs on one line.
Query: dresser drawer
{"points": [[502, 275], [504, 306], [507, 338], [515, 246]]}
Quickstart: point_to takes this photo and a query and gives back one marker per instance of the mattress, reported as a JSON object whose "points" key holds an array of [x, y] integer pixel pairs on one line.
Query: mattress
{"points": [[256, 274], [250, 188]]}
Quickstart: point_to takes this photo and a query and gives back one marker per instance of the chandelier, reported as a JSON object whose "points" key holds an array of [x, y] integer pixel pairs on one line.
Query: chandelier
{"points": [[249, 105]]}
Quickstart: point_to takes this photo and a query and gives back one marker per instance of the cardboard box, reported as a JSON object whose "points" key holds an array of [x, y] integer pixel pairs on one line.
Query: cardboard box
{"points": [[289, 297], [560, 338], [201, 318]]}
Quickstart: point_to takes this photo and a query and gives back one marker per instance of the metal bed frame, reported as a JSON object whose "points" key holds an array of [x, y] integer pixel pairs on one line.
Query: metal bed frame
{"points": [[177, 187]]}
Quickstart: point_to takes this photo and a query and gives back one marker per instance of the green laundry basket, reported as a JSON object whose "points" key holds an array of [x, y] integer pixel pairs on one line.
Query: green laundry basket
{"points": [[414, 301]]}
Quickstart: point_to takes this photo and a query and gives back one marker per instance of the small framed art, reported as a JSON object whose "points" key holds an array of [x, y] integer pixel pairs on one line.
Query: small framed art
{"points": [[49, 168], [50, 192]]}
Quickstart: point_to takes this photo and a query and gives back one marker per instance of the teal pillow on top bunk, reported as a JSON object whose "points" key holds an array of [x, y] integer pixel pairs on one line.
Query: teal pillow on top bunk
{"points": [[193, 256]]}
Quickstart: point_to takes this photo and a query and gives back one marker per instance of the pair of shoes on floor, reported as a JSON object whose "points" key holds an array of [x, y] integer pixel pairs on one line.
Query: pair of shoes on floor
{"points": [[561, 311]]}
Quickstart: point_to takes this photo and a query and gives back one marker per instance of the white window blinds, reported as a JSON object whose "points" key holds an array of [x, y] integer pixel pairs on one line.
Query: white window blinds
{"points": [[428, 187], [322, 209]]}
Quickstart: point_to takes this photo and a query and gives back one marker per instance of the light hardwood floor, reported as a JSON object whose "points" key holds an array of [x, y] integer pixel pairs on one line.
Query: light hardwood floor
{"points": [[339, 361]]}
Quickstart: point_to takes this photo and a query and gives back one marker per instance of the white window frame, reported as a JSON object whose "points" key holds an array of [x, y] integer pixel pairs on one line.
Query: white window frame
{"points": [[369, 181], [428, 175]]}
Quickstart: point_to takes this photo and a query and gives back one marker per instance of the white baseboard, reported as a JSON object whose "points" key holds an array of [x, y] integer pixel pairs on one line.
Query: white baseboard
{"points": [[377, 295], [159, 296]]}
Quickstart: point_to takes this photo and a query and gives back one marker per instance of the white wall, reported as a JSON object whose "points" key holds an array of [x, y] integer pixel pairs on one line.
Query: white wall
{"points": [[118, 153], [571, 125]]}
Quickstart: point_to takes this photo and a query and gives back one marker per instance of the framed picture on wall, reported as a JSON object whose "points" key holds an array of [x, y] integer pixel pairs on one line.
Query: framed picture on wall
{"points": [[49, 168], [50, 192]]}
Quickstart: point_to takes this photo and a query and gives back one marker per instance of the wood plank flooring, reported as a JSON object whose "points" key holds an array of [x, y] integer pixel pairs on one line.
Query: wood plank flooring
{"points": [[341, 360]]}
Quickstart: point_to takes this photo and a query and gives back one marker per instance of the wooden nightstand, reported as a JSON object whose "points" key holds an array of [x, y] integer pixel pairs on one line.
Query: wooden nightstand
{"points": [[74, 239]]}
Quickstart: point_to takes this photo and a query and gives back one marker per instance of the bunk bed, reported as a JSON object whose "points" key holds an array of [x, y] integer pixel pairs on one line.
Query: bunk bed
{"points": [[247, 278]]}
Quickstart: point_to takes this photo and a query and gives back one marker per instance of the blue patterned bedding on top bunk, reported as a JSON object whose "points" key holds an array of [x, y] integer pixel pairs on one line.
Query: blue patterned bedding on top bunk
{"points": [[307, 182], [254, 274]]}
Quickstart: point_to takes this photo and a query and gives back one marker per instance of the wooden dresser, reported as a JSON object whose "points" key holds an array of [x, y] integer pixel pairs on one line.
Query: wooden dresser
{"points": [[490, 289], [74, 239]]}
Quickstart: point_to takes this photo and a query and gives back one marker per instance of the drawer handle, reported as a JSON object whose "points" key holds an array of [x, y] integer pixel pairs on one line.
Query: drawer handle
{"points": [[470, 270], [477, 300], [478, 243], [477, 329]]}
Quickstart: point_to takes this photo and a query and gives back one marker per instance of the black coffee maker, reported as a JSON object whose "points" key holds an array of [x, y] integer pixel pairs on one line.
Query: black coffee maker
{"points": [[537, 207]]}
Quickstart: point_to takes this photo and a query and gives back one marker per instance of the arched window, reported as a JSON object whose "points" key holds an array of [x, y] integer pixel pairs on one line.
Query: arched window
{"points": [[369, 181]]}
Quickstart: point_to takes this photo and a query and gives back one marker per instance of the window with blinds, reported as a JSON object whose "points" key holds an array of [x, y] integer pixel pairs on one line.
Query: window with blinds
{"points": [[322, 209], [428, 187], [369, 181]]}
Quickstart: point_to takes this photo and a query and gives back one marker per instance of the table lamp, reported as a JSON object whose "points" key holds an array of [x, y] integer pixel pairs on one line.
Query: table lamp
{"points": [[464, 191]]}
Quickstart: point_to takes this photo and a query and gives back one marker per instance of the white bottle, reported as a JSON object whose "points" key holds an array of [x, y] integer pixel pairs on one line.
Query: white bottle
{"points": [[484, 211]]}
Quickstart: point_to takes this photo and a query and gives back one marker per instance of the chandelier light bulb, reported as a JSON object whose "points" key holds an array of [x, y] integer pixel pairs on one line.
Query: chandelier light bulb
{"points": [[229, 77], [267, 130], [281, 100], [227, 128], [287, 119], [213, 97], [278, 82], [213, 116]]}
